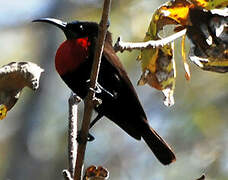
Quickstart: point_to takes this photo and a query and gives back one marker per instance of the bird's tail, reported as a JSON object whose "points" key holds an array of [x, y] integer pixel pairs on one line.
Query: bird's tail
{"points": [[160, 148]]}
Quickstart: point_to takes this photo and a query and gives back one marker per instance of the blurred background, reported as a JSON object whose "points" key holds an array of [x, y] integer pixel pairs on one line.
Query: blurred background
{"points": [[33, 137]]}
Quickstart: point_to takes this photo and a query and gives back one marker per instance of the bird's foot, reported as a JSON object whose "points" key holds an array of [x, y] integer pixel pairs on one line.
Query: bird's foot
{"points": [[99, 89], [97, 101], [90, 138]]}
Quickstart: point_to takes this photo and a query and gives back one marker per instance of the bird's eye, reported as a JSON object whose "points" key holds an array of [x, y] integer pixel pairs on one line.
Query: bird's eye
{"points": [[81, 27]]}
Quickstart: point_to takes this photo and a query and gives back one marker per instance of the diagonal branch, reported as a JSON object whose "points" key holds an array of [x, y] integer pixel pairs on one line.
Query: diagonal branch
{"points": [[129, 46], [89, 100]]}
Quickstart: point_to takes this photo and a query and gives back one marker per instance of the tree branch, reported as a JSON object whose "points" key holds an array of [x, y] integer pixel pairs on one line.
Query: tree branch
{"points": [[129, 46], [73, 102], [89, 100], [66, 175], [72, 134]]}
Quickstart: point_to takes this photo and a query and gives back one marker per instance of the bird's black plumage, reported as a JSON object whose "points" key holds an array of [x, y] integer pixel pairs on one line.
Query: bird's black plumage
{"points": [[120, 102]]}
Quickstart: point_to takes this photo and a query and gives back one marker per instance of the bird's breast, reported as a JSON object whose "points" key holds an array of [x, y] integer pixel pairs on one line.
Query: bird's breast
{"points": [[70, 54]]}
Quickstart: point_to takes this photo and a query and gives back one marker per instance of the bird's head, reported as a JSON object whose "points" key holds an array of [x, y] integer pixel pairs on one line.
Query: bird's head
{"points": [[74, 29]]}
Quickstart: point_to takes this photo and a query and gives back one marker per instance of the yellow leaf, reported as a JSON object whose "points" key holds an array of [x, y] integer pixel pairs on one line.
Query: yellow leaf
{"points": [[3, 111], [157, 63], [209, 5], [186, 66], [177, 10]]}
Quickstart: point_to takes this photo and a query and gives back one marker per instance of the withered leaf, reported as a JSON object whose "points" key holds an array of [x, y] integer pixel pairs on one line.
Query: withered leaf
{"points": [[209, 5], [161, 73], [13, 78], [158, 65], [207, 31], [96, 173], [209, 41]]}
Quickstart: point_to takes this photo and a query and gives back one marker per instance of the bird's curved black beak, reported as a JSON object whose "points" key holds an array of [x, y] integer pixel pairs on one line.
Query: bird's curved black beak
{"points": [[60, 24]]}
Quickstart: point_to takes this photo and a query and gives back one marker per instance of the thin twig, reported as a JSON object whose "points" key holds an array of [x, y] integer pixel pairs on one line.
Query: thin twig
{"points": [[66, 175], [129, 46], [89, 100], [72, 133], [202, 177]]}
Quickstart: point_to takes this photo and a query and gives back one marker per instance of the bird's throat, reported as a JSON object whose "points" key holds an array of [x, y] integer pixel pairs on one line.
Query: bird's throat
{"points": [[70, 54]]}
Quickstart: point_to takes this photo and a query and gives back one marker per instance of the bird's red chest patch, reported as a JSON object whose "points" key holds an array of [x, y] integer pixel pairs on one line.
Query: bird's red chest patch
{"points": [[70, 54]]}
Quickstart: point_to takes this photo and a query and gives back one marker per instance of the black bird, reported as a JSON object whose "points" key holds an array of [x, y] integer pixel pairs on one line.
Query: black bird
{"points": [[120, 102]]}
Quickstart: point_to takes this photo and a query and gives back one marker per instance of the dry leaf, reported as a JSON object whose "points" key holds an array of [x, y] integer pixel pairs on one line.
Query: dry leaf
{"points": [[158, 65], [209, 41], [207, 31], [13, 78], [209, 5], [96, 173]]}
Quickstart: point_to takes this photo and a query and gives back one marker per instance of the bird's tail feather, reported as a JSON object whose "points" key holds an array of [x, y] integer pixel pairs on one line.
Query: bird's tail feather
{"points": [[160, 148]]}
